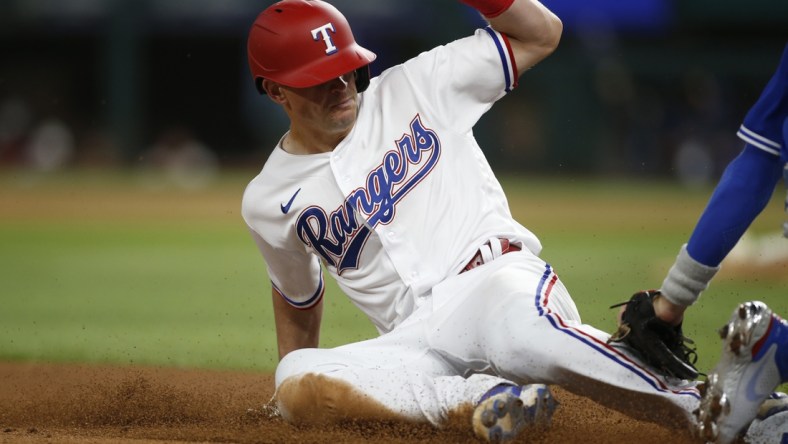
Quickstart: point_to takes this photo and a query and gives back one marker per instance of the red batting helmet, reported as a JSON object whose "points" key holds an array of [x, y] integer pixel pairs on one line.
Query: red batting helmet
{"points": [[302, 43]]}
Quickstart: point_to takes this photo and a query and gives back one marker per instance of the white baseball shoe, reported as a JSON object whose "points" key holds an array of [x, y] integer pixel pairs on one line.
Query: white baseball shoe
{"points": [[506, 410], [753, 363]]}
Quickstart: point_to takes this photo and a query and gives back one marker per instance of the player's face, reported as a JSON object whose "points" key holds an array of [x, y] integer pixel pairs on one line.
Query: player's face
{"points": [[329, 108]]}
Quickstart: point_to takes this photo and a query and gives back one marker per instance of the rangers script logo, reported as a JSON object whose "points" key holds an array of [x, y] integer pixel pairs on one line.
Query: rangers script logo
{"points": [[338, 237]]}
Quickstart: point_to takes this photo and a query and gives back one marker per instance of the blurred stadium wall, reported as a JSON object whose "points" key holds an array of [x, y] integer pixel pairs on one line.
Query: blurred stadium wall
{"points": [[642, 87]]}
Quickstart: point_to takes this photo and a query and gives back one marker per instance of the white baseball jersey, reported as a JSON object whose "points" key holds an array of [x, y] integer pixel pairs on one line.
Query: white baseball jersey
{"points": [[405, 200]]}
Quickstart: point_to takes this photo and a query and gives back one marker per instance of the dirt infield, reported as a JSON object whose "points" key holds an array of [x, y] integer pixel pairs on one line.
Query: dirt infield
{"points": [[92, 404]]}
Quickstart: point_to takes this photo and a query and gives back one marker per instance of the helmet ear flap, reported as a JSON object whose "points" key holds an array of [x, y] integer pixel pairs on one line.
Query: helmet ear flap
{"points": [[362, 78], [258, 83]]}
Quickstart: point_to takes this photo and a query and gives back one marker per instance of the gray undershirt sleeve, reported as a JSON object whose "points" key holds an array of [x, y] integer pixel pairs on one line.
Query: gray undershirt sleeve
{"points": [[686, 279]]}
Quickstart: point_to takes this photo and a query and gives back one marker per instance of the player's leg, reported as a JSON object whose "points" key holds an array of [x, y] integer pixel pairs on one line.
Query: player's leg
{"points": [[392, 376], [525, 328], [771, 422]]}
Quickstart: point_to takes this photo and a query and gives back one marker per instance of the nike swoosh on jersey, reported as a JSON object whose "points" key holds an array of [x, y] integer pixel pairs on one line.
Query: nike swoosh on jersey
{"points": [[286, 207]]}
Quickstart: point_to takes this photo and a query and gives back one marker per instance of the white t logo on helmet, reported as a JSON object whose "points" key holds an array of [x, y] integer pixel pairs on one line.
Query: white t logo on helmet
{"points": [[322, 32]]}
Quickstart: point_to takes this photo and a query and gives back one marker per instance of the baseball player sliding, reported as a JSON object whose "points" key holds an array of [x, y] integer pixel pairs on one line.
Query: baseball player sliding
{"points": [[380, 184]]}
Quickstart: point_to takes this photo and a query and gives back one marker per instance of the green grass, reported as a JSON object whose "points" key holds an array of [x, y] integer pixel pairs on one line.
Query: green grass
{"points": [[109, 269], [103, 269]]}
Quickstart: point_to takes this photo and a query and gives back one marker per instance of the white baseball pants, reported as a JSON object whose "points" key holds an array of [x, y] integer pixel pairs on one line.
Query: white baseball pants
{"points": [[510, 320]]}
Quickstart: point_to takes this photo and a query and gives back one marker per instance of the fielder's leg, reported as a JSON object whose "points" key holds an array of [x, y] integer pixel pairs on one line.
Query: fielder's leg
{"points": [[754, 362]]}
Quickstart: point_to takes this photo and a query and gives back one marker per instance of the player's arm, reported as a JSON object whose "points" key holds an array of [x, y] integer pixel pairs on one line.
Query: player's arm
{"points": [[533, 30], [297, 295], [742, 193], [296, 328]]}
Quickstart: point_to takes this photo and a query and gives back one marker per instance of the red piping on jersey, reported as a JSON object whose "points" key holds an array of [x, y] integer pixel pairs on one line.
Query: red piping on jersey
{"points": [[515, 75]]}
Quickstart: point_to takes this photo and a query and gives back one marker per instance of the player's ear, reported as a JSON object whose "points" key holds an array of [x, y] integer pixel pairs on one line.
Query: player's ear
{"points": [[274, 91]]}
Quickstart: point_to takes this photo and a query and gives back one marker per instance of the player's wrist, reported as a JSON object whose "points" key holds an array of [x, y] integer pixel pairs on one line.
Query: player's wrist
{"points": [[686, 279], [489, 8]]}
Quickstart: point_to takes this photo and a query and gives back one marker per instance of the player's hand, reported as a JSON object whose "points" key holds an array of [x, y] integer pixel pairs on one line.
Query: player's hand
{"points": [[667, 311], [659, 343]]}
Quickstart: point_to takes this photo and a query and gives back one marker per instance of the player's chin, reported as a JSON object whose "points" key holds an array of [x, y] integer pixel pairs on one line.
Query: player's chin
{"points": [[344, 115]]}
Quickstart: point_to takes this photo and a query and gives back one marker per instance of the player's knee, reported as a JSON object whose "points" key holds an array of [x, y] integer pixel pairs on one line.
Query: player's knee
{"points": [[317, 399], [294, 363], [299, 399]]}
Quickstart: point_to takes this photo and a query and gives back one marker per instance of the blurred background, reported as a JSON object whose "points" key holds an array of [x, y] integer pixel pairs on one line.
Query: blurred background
{"points": [[644, 87]]}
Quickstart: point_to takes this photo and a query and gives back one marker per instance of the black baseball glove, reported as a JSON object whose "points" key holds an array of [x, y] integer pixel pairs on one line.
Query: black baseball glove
{"points": [[659, 344]]}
